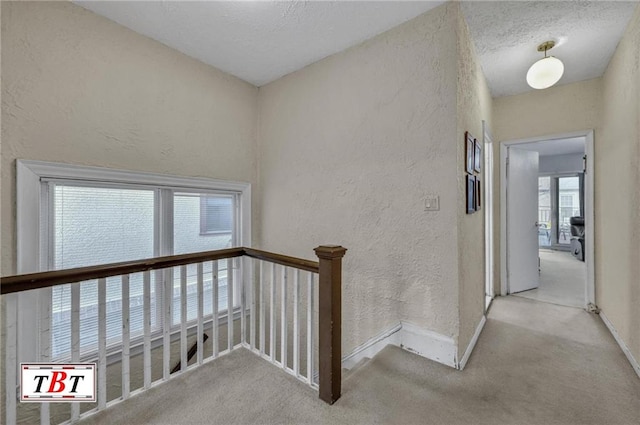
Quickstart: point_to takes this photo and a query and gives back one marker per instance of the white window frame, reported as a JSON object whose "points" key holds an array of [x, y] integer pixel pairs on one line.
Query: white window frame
{"points": [[32, 249]]}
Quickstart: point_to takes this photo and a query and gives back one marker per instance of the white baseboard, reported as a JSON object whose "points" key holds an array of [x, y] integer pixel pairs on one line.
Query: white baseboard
{"points": [[410, 337], [429, 344], [472, 343], [372, 347], [623, 346]]}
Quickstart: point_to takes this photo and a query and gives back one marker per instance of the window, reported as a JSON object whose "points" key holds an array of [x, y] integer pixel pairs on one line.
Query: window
{"points": [[215, 215], [90, 216], [566, 201], [544, 211], [91, 225], [569, 200]]}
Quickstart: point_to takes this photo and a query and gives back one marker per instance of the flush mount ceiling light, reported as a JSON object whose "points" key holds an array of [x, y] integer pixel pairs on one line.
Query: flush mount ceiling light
{"points": [[547, 71]]}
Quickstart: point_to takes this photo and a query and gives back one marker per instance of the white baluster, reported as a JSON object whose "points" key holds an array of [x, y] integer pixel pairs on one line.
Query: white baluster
{"points": [[146, 317], [167, 322], [102, 343], [11, 357], [215, 326], [310, 333], [243, 318], [45, 339], [263, 306], [200, 332], [75, 338], [183, 318], [230, 304], [126, 375], [252, 286], [283, 319], [296, 323], [272, 321]]}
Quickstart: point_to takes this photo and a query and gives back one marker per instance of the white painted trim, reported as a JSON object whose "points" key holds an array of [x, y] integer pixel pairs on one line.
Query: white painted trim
{"points": [[487, 146], [372, 346], [634, 363], [503, 220], [410, 337], [589, 217], [472, 343], [54, 170], [589, 212], [28, 259], [429, 344]]}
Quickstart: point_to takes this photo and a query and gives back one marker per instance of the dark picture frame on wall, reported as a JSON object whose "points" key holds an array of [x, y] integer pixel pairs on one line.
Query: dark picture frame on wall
{"points": [[471, 194], [478, 194], [477, 156], [470, 146]]}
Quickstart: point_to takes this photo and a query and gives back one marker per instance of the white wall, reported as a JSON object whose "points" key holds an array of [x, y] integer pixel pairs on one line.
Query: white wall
{"points": [[349, 147], [79, 88], [617, 195], [474, 104], [559, 109], [556, 164]]}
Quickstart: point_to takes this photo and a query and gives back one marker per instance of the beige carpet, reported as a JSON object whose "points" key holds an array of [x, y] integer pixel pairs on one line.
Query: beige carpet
{"points": [[535, 363], [562, 280]]}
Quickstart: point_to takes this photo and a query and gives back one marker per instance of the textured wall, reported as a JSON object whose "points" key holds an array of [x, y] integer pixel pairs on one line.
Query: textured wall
{"points": [[348, 149], [560, 109], [617, 194], [474, 105], [79, 88]]}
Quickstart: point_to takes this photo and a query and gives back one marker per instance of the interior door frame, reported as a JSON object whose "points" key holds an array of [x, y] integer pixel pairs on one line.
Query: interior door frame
{"points": [[589, 179], [487, 145]]}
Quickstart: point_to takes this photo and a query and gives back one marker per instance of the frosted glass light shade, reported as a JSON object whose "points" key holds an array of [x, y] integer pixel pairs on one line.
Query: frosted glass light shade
{"points": [[545, 72]]}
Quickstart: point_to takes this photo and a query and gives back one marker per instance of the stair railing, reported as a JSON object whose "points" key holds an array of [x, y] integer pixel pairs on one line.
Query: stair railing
{"points": [[292, 324]]}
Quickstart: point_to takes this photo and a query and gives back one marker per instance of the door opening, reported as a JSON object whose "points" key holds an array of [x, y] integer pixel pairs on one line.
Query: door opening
{"points": [[563, 220]]}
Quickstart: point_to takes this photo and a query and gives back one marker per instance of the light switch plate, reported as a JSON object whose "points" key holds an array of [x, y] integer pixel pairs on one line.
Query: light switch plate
{"points": [[432, 203]]}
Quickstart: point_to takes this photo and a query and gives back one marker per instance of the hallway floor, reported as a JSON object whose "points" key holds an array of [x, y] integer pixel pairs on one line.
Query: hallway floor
{"points": [[535, 363], [562, 280]]}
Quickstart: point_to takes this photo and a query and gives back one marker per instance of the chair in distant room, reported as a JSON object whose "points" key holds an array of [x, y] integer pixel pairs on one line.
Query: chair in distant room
{"points": [[577, 237]]}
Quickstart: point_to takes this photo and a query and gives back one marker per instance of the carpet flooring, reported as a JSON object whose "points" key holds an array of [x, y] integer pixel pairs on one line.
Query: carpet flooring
{"points": [[562, 280], [535, 363]]}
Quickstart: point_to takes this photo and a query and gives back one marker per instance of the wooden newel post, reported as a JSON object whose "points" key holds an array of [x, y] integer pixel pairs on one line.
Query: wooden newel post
{"points": [[330, 318]]}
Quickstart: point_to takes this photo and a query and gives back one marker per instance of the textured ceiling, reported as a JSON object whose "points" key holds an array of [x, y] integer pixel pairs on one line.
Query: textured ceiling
{"points": [[261, 41], [507, 33]]}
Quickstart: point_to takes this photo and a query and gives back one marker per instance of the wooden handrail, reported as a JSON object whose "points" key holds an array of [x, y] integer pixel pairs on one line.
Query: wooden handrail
{"points": [[329, 269], [284, 260], [26, 282]]}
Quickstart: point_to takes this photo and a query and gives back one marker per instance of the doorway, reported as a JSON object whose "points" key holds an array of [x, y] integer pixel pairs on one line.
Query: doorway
{"points": [[548, 255]]}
